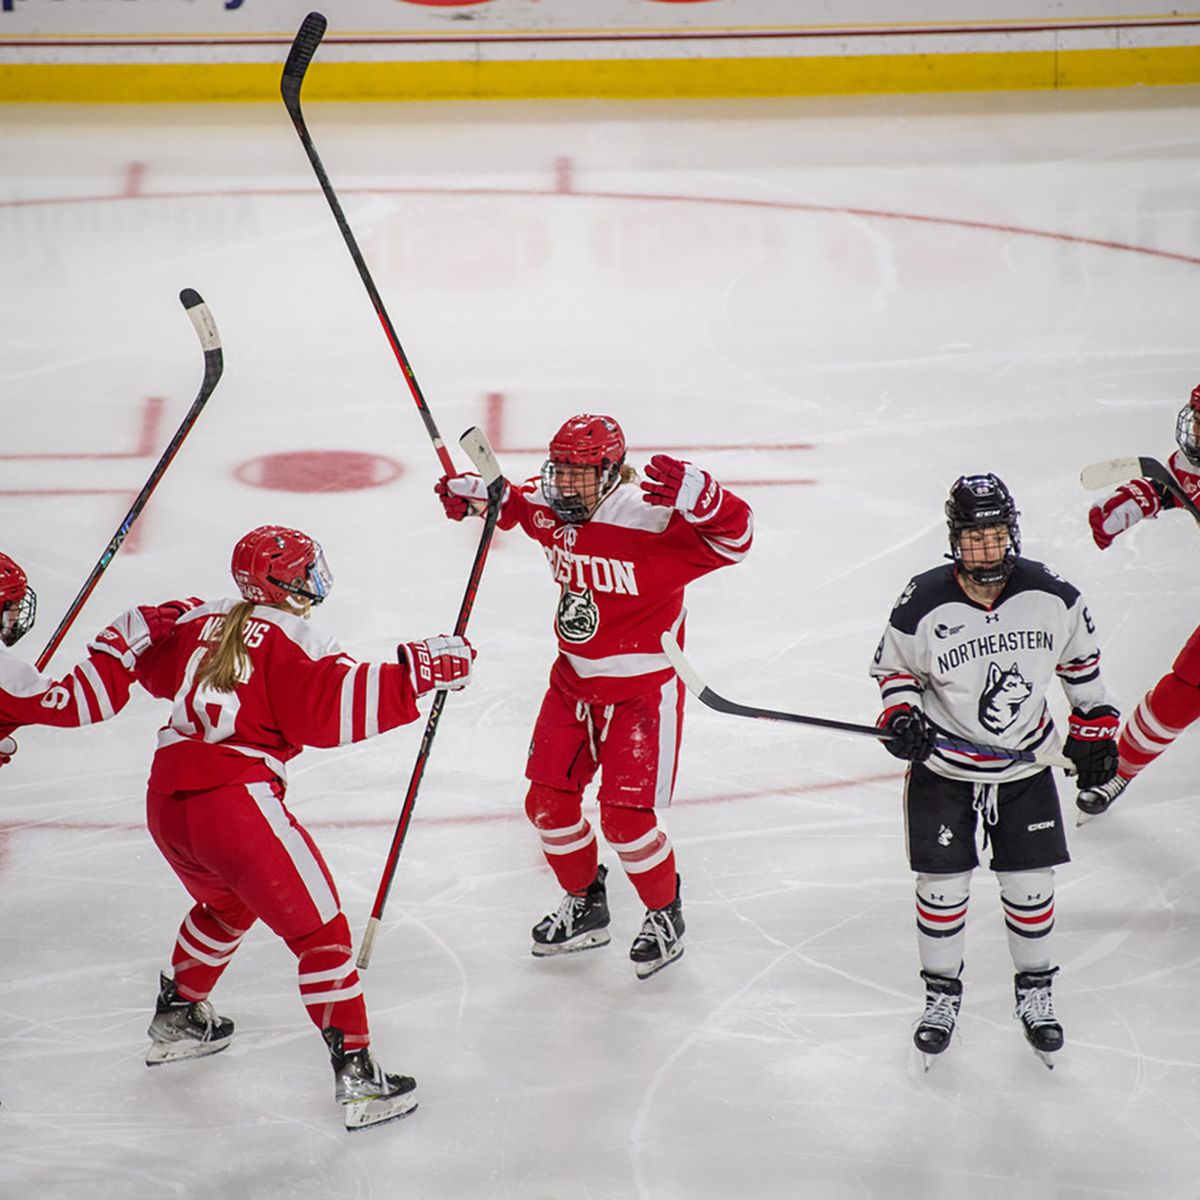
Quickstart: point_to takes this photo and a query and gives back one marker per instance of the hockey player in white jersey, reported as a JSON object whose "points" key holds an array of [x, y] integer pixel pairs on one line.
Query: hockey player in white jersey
{"points": [[969, 652]]}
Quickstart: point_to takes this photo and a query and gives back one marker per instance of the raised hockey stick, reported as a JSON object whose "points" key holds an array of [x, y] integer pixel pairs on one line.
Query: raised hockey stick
{"points": [[1118, 470], [480, 453], [304, 46], [706, 695], [210, 343]]}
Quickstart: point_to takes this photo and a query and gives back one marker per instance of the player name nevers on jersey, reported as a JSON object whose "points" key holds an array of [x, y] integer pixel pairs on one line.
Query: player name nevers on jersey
{"points": [[995, 643], [580, 571]]}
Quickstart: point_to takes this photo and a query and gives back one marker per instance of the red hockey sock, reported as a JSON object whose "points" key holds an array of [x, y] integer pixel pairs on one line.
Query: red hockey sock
{"points": [[1161, 716], [329, 983], [203, 947], [644, 849], [568, 840]]}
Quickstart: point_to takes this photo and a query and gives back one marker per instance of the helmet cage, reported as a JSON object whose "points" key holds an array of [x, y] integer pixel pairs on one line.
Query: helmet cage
{"points": [[583, 441], [1187, 429], [17, 617], [18, 602], [980, 502]]}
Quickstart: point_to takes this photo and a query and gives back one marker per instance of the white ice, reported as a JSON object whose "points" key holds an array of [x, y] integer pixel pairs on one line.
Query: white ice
{"points": [[910, 288]]}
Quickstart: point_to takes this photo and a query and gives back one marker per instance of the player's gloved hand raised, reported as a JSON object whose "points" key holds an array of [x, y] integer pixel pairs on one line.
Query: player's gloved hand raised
{"points": [[1130, 503], [461, 495], [442, 662], [909, 735], [1092, 745], [8, 747], [672, 483], [137, 629]]}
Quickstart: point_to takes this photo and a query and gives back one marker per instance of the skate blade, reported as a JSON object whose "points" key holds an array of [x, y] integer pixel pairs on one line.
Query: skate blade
{"points": [[645, 970], [1047, 1057], [592, 940], [183, 1051], [367, 1114]]}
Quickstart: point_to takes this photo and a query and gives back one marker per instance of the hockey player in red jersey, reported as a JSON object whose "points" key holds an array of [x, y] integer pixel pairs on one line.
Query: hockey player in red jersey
{"points": [[622, 557], [1173, 703], [252, 684], [96, 689], [969, 652]]}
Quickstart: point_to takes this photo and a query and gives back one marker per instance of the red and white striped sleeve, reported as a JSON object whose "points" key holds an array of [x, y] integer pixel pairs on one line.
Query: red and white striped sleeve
{"points": [[96, 689]]}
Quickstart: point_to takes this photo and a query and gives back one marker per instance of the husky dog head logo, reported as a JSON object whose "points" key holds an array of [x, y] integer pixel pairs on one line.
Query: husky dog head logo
{"points": [[1003, 694], [578, 617]]}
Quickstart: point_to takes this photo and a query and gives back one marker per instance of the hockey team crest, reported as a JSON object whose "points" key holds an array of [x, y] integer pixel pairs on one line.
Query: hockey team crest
{"points": [[578, 618], [1003, 694]]}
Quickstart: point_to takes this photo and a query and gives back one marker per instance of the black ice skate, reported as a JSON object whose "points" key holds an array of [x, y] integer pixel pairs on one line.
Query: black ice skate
{"points": [[368, 1094], [661, 940], [1097, 800], [184, 1029], [580, 923], [943, 998], [1035, 1008]]}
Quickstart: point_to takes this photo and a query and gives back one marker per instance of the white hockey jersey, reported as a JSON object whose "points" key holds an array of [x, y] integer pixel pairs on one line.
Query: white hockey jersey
{"points": [[981, 674]]}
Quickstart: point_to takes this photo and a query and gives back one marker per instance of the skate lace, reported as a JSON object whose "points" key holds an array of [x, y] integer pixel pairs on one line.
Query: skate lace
{"points": [[566, 915], [940, 1010], [1036, 1007], [659, 926]]}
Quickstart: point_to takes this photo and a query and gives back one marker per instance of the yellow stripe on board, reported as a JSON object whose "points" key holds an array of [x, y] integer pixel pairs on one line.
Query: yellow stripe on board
{"points": [[147, 83]]}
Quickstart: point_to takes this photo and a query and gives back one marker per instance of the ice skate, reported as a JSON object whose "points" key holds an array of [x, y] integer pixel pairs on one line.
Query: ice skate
{"points": [[943, 998], [368, 1094], [184, 1029], [1091, 802], [580, 922], [1035, 1008], [660, 941]]}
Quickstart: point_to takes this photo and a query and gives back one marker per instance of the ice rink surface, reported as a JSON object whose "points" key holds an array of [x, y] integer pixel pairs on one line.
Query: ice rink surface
{"points": [[837, 307]]}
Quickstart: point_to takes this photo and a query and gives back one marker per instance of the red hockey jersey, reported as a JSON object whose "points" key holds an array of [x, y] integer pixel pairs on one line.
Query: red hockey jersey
{"points": [[95, 690], [622, 574], [301, 690]]}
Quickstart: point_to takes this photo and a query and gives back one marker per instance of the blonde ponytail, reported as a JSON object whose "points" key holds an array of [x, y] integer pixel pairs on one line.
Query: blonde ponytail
{"points": [[227, 663]]}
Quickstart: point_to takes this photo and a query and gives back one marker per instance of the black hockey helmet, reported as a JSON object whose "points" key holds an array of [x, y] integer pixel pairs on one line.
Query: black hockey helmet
{"points": [[975, 502], [1187, 428]]}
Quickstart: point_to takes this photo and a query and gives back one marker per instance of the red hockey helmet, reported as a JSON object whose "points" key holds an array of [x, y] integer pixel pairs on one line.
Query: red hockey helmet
{"points": [[274, 565], [18, 602], [583, 441], [1187, 428]]}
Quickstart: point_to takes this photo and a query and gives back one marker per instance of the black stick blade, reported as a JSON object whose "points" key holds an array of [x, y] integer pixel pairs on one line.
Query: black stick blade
{"points": [[202, 321], [304, 46]]}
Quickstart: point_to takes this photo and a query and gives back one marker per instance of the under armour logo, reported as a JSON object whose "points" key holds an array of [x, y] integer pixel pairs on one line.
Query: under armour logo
{"points": [[990, 617]]}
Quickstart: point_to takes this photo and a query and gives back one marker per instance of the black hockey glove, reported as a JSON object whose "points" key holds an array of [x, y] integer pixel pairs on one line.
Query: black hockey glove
{"points": [[1092, 745], [908, 733]]}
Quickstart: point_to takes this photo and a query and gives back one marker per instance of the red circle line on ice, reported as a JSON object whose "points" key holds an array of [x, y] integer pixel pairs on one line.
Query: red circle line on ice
{"points": [[566, 188], [319, 471]]}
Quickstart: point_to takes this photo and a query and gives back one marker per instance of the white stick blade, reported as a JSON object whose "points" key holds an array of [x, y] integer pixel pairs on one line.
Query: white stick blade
{"points": [[368, 945], [480, 453], [683, 668], [201, 318], [1112, 470]]}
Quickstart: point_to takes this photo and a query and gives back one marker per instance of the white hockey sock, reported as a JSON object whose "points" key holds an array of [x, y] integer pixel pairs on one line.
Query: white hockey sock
{"points": [[1028, 900], [942, 922]]}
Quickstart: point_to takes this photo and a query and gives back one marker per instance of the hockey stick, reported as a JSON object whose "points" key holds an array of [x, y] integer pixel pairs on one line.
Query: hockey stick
{"points": [[304, 46], [706, 695], [480, 453], [210, 343], [1118, 470]]}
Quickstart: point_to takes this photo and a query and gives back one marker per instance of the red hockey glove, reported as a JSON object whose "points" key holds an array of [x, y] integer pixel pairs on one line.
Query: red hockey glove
{"points": [[909, 736], [671, 483], [8, 747], [137, 629], [442, 662], [461, 495], [1129, 504], [1092, 745]]}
